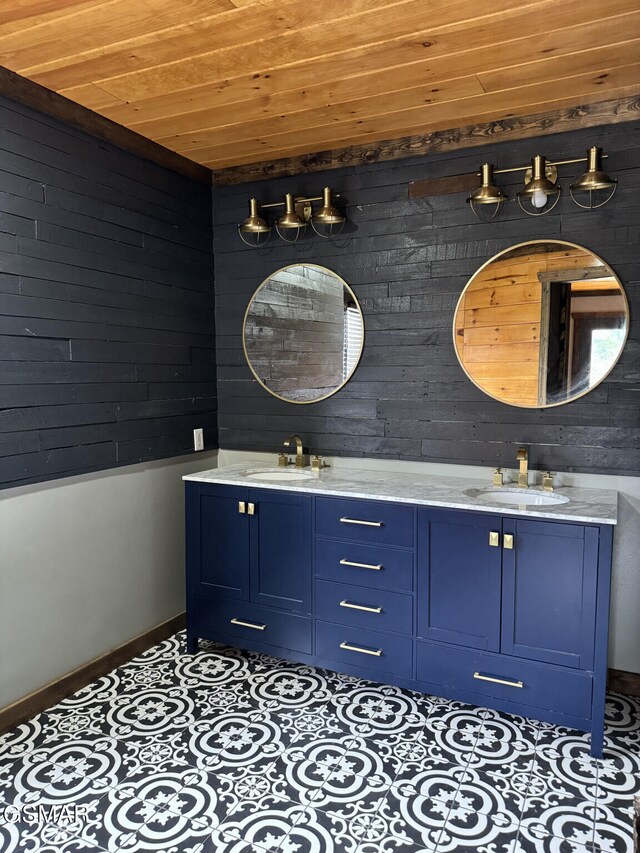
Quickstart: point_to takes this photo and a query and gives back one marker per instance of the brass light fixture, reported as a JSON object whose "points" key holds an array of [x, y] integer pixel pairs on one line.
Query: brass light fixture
{"points": [[594, 182], [487, 200], [291, 222], [535, 198], [326, 222], [254, 231], [541, 191]]}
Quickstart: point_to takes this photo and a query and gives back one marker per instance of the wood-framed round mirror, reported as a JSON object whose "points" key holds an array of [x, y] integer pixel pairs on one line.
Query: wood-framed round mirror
{"points": [[541, 324], [303, 333]]}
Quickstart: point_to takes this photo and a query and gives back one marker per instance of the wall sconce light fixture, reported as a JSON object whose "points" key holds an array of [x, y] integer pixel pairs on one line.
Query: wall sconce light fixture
{"points": [[487, 200], [541, 191], [594, 182], [326, 221], [254, 231]]}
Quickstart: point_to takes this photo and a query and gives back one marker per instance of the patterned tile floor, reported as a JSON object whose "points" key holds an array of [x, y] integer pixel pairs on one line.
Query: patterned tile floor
{"points": [[236, 752]]}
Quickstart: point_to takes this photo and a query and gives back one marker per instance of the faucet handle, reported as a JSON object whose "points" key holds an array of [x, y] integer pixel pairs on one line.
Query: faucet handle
{"points": [[318, 463], [283, 460], [498, 477], [547, 481]]}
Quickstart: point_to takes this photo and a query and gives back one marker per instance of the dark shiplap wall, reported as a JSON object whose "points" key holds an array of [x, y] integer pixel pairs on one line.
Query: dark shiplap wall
{"points": [[106, 304], [408, 261]]}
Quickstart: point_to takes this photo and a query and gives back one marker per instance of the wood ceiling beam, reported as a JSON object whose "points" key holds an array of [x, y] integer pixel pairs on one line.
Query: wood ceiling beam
{"points": [[24, 91], [557, 121]]}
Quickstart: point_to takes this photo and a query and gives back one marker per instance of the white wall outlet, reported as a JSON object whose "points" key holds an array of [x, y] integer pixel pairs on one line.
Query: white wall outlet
{"points": [[198, 439]]}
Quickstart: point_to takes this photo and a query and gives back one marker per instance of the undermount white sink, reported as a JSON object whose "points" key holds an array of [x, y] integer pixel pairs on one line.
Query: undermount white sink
{"points": [[517, 497], [279, 474]]}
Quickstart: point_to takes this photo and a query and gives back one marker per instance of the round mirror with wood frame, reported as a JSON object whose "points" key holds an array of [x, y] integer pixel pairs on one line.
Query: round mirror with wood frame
{"points": [[303, 333], [541, 323]]}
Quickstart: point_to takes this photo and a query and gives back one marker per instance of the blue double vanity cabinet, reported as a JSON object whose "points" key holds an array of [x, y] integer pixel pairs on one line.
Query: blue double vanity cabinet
{"points": [[422, 587]]}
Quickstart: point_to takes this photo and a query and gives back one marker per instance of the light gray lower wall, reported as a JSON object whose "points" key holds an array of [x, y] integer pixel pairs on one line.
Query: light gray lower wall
{"points": [[86, 564], [624, 636]]}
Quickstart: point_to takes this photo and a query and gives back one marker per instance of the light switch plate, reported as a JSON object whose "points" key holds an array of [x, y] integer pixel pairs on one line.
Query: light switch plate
{"points": [[198, 439]]}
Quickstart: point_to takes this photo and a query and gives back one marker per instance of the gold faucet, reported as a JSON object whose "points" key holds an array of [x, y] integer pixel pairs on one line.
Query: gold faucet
{"points": [[523, 475], [302, 460]]}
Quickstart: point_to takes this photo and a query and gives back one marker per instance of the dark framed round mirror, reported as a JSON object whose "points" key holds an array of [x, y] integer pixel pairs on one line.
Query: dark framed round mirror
{"points": [[541, 323]]}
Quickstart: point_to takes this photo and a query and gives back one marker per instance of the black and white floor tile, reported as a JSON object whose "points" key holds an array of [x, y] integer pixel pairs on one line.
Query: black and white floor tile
{"points": [[236, 752]]}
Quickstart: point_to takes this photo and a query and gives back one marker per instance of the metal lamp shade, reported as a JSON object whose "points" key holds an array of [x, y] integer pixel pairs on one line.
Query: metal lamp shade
{"points": [[487, 194], [254, 223], [328, 220], [593, 181], [254, 231], [290, 221], [539, 184]]}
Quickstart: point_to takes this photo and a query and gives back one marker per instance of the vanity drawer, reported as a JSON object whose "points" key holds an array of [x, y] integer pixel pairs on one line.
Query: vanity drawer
{"points": [[248, 622], [364, 607], [365, 521], [368, 649], [364, 565], [543, 686]]}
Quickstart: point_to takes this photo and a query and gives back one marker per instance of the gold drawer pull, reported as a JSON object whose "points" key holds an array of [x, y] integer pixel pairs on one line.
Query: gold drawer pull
{"points": [[361, 521], [351, 648], [361, 565], [498, 680], [352, 606], [242, 507], [251, 509], [507, 540], [494, 539], [248, 624]]}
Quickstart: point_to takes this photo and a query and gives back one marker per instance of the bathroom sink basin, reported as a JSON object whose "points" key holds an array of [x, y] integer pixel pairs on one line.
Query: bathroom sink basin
{"points": [[518, 497], [279, 475]]}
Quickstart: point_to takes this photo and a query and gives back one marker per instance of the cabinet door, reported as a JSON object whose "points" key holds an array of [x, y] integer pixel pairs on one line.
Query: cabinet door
{"points": [[218, 537], [281, 549], [459, 577], [549, 592]]}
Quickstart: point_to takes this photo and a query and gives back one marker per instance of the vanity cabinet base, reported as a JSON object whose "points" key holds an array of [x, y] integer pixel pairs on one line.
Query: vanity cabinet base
{"points": [[448, 603]]}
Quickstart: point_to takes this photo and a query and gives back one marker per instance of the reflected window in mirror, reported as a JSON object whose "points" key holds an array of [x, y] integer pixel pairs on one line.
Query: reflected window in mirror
{"points": [[303, 333], [541, 324]]}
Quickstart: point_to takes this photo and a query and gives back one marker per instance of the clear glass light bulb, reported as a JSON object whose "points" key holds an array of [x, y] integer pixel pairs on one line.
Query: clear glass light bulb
{"points": [[539, 198]]}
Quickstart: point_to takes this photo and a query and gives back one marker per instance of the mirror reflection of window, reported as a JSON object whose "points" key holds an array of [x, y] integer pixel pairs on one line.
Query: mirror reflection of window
{"points": [[353, 332], [541, 324], [605, 345]]}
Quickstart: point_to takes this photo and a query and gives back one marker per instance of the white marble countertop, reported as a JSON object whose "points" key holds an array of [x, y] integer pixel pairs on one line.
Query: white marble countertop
{"points": [[597, 506]]}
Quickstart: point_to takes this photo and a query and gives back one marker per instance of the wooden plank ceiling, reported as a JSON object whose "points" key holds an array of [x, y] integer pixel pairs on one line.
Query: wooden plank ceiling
{"points": [[231, 82]]}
